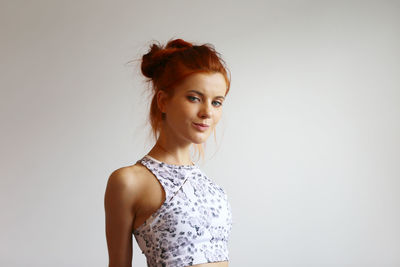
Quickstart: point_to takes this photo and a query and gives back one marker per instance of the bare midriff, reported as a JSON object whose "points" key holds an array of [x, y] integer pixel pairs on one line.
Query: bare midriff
{"points": [[213, 264]]}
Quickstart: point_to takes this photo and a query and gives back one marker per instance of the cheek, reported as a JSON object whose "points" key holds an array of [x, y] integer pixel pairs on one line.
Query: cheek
{"points": [[217, 116], [188, 110], [182, 113]]}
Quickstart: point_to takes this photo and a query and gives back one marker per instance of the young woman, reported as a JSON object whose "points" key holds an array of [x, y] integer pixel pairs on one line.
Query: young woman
{"points": [[178, 215]]}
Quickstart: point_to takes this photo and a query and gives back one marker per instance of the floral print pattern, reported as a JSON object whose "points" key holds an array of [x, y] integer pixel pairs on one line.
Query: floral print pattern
{"points": [[192, 226]]}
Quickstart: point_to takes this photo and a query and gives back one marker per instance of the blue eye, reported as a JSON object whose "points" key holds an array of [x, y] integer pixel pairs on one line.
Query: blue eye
{"points": [[219, 103], [192, 98]]}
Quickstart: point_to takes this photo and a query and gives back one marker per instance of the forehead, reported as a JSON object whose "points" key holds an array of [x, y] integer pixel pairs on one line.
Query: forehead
{"points": [[207, 83]]}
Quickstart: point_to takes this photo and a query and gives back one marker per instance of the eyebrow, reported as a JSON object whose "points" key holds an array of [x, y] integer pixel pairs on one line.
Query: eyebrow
{"points": [[200, 93]]}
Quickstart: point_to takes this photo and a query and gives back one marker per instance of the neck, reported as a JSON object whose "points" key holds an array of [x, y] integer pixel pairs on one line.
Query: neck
{"points": [[171, 152]]}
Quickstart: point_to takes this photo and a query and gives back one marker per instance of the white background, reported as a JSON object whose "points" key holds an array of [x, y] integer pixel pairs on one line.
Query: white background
{"points": [[308, 147]]}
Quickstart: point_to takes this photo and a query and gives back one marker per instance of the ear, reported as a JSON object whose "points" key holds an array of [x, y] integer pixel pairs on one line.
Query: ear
{"points": [[162, 100]]}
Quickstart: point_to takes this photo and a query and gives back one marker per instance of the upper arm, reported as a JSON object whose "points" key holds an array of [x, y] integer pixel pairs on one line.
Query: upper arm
{"points": [[120, 201]]}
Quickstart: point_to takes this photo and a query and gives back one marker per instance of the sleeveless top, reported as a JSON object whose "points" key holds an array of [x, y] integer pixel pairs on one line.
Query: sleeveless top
{"points": [[192, 225]]}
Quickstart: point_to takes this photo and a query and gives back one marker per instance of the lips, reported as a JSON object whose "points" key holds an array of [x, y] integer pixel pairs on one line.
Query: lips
{"points": [[200, 126]]}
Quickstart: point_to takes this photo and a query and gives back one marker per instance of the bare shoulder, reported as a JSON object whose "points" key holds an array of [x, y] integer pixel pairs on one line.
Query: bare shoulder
{"points": [[127, 183], [124, 190], [130, 178]]}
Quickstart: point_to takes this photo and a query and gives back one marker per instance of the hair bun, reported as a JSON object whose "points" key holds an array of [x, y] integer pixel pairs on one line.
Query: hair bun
{"points": [[178, 43], [157, 56], [149, 63]]}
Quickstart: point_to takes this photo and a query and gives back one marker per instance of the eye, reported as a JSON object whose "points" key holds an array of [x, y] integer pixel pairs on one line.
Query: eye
{"points": [[192, 98], [218, 103]]}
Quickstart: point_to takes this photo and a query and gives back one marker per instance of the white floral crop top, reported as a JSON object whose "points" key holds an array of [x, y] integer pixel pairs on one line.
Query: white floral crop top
{"points": [[192, 226]]}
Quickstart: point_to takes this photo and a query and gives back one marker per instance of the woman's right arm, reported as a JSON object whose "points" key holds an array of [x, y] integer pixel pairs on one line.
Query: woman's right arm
{"points": [[120, 204]]}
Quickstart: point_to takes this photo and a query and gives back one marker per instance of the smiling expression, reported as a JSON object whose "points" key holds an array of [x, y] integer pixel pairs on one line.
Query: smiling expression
{"points": [[196, 107]]}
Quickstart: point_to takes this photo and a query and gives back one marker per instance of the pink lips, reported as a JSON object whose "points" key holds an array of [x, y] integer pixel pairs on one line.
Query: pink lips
{"points": [[200, 126]]}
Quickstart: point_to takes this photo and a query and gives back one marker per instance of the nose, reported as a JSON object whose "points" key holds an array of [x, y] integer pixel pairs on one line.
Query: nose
{"points": [[206, 110]]}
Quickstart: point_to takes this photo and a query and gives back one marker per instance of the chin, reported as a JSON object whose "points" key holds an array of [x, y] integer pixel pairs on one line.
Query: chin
{"points": [[199, 140]]}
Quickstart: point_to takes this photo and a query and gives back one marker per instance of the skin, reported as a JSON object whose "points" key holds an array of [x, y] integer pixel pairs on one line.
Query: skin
{"points": [[133, 193]]}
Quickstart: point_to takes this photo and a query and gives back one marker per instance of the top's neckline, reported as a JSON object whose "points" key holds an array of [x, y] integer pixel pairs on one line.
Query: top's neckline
{"points": [[173, 165]]}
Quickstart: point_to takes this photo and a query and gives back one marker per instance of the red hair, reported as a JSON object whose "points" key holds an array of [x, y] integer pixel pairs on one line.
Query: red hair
{"points": [[166, 66]]}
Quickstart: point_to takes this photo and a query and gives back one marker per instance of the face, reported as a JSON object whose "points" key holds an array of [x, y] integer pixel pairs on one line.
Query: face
{"points": [[197, 100]]}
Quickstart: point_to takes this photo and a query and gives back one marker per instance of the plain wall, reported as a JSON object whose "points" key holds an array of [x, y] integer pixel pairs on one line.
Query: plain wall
{"points": [[308, 147]]}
